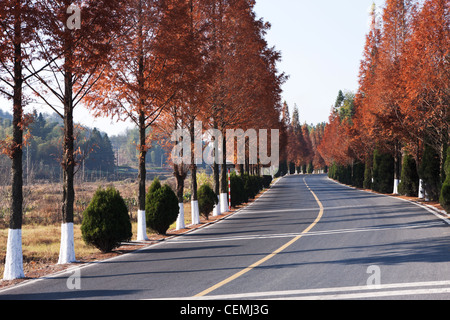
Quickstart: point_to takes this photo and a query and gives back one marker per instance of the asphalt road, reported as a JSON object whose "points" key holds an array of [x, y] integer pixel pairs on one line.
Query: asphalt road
{"points": [[306, 238]]}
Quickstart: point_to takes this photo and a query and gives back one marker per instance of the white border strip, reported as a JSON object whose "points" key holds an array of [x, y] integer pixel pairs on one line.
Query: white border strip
{"points": [[397, 289], [430, 209]]}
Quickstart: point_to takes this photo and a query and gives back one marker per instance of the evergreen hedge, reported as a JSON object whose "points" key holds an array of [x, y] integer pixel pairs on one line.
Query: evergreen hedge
{"points": [[409, 184], [367, 184], [161, 207], [245, 187], [106, 222], [430, 173], [444, 198], [207, 199], [383, 172]]}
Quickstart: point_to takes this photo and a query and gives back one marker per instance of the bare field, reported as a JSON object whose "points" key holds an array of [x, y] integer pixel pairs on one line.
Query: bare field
{"points": [[41, 231]]}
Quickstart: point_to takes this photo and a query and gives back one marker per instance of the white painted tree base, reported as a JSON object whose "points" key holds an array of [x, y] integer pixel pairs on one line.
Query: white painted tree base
{"points": [[67, 249], [421, 190], [142, 226], [216, 210], [14, 258], [195, 213], [180, 220], [224, 202], [396, 183]]}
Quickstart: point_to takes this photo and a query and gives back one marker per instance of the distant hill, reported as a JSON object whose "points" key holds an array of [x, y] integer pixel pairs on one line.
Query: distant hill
{"points": [[5, 115]]}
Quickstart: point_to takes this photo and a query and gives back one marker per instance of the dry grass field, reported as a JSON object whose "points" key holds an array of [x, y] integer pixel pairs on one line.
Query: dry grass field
{"points": [[41, 232]]}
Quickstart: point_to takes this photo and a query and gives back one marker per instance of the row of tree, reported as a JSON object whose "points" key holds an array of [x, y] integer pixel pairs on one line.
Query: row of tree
{"points": [[160, 64], [300, 144], [400, 113]]}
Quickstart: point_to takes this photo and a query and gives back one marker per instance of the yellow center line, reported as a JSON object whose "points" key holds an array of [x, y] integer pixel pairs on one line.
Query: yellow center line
{"points": [[270, 256]]}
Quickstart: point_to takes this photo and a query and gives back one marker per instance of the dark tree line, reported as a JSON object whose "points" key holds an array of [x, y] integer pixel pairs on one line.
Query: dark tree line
{"points": [[42, 152]]}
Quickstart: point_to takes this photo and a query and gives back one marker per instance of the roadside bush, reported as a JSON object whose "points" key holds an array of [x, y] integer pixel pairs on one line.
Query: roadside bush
{"points": [[310, 168], [445, 195], [207, 199], [367, 184], [267, 180], [358, 174], [383, 172], [332, 171], [106, 222], [444, 198], [430, 173], [251, 186], [245, 187], [238, 191], [409, 184], [156, 185], [282, 169], [161, 207]]}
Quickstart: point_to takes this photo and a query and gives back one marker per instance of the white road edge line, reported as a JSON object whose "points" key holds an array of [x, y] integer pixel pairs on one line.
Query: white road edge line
{"points": [[433, 211], [316, 233], [341, 292]]}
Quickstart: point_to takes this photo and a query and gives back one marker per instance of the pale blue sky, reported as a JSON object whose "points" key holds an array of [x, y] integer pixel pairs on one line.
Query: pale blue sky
{"points": [[322, 44]]}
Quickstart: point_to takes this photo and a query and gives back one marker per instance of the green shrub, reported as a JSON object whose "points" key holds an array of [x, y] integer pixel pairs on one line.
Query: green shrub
{"points": [[267, 180], [430, 173], [156, 185], [310, 168], [207, 199], [332, 171], [444, 198], [282, 169], [367, 184], [358, 174], [248, 189], [383, 172], [409, 184], [106, 222], [161, 208], [238, 191], [257, 185]]}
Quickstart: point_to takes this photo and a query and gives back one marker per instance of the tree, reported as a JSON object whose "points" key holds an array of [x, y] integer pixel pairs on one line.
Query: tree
{"points": [[245, 78], [101, 156], [195, 76], [390, 87], [427, 77], [17, 35], [144, 75], [75, 54]]}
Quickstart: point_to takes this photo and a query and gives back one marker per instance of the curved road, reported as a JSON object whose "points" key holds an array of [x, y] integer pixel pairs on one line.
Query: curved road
{"points": [[306, 238]]}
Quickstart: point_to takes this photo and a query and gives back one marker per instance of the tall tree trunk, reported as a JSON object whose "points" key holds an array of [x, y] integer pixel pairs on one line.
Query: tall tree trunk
{"points": [[14, 257], [180, 177], [142, 175], [216, 173], [195, 214], [67, 249], [397, 165], [223, 177], [17, 151], [142, 156]]}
